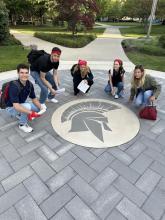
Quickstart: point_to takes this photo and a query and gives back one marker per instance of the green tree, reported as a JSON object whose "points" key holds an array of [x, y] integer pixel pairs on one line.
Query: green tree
{"points": [[75, 12], [38, 8], [115, 10], [4, 22], [103, 8], [160, 12]]}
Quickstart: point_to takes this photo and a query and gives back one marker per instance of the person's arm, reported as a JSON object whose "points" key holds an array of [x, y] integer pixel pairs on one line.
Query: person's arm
{"points": [[36, 103], [110, 82], [156, 89], [132, 94], [56, 77], [90, 75], [18, 107], [74, 69], [42, 76]]}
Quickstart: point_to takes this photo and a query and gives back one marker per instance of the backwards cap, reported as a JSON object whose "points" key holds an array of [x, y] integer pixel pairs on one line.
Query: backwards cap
{"points": [[119, 61], [56, 50], [82, 62]]}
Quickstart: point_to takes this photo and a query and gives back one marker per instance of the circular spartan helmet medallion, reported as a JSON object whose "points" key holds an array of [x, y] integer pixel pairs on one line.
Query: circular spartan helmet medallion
{"points": [[95, 123]]}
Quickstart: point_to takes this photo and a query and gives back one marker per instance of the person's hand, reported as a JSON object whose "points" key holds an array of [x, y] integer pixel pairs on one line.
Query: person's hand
{"points": [[33, 115], [53, 92], [85, 81], [152, 98]]}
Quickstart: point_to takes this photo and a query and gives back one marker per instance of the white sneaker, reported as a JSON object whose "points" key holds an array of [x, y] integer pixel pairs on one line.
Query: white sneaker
{"points": [[59, 91], [26, 128], [43, 106], [116, 96], [53, 100]]}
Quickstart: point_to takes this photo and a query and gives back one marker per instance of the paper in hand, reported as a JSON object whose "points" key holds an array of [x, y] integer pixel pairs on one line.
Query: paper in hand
{"points": [[83, 86]]}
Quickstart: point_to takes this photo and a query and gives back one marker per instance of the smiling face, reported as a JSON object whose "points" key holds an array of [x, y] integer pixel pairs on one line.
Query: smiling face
{"points": [[82, 68], [55, 57], [23, 74], [138, 73], [116, 65]]}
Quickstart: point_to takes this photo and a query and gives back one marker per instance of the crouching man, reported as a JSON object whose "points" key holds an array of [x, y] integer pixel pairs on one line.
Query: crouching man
{"points": [[18, 92]]}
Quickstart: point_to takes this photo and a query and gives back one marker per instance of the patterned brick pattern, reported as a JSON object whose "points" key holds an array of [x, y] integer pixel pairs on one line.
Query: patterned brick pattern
{"points": [[44, 177]]}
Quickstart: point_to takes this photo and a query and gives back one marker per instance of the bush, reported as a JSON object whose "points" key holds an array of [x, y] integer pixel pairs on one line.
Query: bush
{"points": [[4, 22], [10, 40], [152, 50], [147, 47], [162, 40], [66, 40]]}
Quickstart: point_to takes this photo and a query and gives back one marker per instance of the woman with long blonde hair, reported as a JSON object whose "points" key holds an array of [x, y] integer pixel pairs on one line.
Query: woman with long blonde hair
{"points": [[81, 71], [144, 87]]}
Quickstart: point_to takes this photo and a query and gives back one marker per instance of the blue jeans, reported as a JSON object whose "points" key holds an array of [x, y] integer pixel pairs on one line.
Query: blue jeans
{"points": [[143, 98], [23, 117], [44, 90], [119, 86]]}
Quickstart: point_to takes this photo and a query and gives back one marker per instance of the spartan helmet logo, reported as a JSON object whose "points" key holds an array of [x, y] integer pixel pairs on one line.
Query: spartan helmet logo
{"points": [[89, 116]]}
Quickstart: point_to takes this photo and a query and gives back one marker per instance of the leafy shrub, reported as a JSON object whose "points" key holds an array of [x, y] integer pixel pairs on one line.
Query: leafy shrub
{"points": [[66, 40], [143, 46], [162, 40], [4, 28]]}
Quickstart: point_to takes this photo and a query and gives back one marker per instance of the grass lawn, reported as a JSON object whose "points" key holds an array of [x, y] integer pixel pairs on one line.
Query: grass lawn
{"points": [[11, 56], [147, 52], [139, 31], [149, 61]]}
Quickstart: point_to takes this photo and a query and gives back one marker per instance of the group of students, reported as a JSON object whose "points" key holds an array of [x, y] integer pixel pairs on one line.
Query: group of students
{"points": [[144, 87]]}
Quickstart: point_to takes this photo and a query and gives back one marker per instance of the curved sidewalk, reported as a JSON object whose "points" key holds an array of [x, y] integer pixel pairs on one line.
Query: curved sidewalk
{"points": [[106, 47], [100, 53]]}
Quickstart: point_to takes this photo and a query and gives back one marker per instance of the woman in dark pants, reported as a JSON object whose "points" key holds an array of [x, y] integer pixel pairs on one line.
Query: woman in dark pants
{"points": [[81, 72]]}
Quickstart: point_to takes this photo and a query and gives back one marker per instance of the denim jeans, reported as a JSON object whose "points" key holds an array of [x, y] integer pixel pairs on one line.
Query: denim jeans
{"points": [[119, 86], [44, 90], [23, 117], [143, 98]]}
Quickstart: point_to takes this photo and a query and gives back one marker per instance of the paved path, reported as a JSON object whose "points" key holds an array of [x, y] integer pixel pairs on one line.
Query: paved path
{"points": [[43, 177], [105, 48]]}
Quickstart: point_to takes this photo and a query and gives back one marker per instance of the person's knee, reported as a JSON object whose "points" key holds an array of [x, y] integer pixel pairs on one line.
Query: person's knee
{"points": [[91, 82], [107, 88], [120, 85], [138, 102], [44, 89], [147, 94], [27, 106]]}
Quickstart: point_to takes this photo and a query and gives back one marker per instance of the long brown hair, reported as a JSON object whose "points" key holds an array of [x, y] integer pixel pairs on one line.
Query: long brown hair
{"points": [[138, 82]]}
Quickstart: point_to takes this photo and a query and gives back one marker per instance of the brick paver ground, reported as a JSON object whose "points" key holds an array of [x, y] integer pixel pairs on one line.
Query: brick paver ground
{"points": [[44, 177]]}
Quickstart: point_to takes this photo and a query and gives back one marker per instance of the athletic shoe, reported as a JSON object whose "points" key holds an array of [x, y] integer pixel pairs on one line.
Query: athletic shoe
{"points": [[116, 96], [26, 128], [43, 106], [59, 91], [53, 100]]}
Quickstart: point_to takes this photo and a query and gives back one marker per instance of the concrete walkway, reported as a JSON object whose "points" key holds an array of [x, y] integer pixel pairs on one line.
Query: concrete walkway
{"points": [[105, 48], [44, 177]]}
